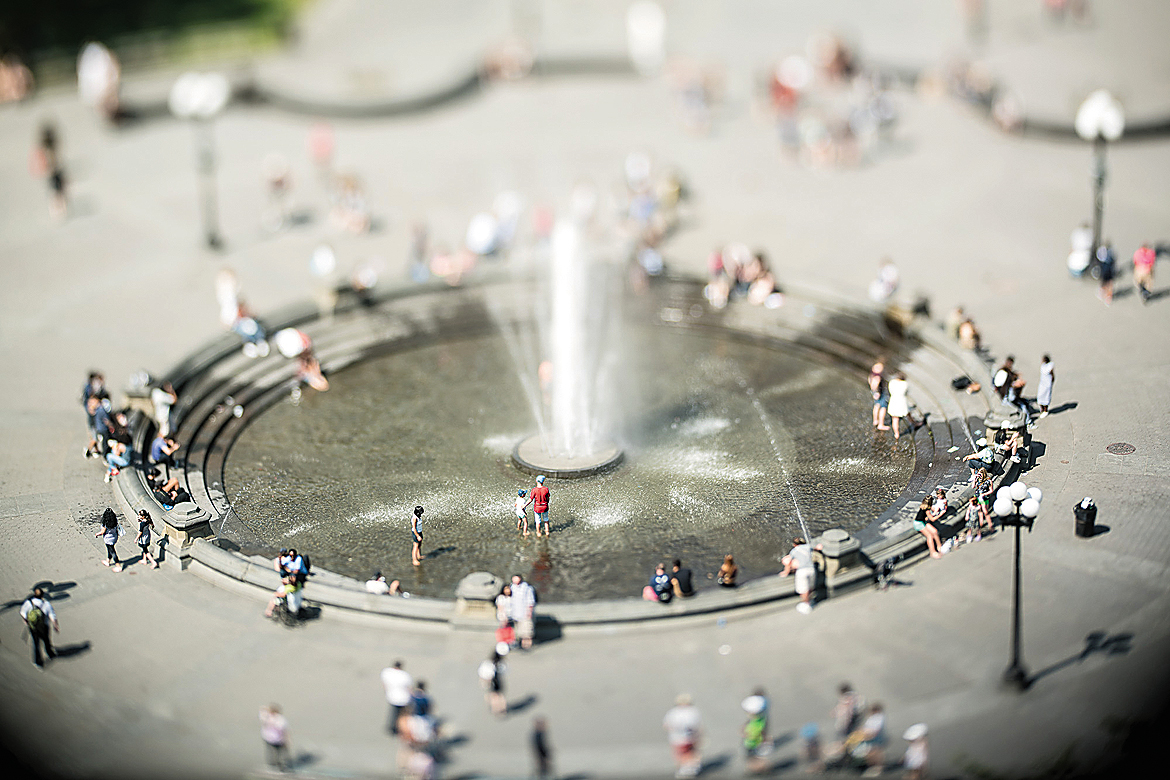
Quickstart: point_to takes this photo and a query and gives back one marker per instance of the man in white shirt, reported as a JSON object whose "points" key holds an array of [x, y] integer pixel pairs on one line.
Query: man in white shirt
{"points": [[522, 604], [398, 685], [379, 587], [683, 724], [799, 560], [37, 613]]}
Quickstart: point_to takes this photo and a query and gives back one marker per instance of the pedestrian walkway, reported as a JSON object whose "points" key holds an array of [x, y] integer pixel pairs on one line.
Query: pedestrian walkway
{"points": [[169, 671]]}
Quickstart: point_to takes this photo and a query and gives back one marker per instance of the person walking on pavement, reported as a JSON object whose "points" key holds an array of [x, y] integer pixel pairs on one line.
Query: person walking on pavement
{"points": [[917, 758], [37, 613], [491, 673], [540, 497], [1044, 389], [109, 533], [1106, 270], [755, 732], [416, 536], [145, 526], [683, 726], [1143, 270], [541, 750], [847, 711], [274, 732], [399, 688], [522, 604]]}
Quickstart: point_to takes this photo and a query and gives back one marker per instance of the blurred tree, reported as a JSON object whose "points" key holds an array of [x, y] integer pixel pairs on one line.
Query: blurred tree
{"points": [[28, 27]]}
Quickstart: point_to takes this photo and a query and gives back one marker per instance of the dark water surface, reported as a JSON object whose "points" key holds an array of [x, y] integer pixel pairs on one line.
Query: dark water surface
{"points": [[724, 441]]}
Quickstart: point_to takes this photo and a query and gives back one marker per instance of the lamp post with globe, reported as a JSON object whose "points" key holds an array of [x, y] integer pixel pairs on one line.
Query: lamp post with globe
{"points": [[200, 97], [1100, 119], [1017, 505]]}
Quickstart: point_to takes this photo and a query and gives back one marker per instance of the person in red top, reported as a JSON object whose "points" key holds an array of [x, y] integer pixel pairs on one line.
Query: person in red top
{"points": [[540, 505], [1143, 270]]}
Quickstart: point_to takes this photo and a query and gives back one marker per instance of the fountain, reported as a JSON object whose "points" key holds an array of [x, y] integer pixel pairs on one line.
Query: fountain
{"points": [[574, 441]]}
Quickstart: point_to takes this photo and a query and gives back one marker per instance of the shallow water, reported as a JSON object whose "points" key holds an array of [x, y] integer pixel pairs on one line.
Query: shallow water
{"points": [[724, 442]]}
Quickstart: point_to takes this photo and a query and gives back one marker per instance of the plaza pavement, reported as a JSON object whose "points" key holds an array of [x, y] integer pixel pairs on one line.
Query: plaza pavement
{"points": [[168, 671]]}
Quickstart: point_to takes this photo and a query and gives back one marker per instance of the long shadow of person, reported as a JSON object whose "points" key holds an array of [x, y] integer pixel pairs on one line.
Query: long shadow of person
{"points": [[72, 649]]}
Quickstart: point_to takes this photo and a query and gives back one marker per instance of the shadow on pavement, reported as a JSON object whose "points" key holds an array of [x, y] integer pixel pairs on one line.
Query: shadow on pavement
{"points": [[1096, 642], [71, 650], [441, 746], [304, 759], [54, 591], [522, 704], [715, 764], [1064, 407]]}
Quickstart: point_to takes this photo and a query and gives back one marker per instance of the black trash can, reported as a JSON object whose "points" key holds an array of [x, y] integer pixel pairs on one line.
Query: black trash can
{"points": [[1086, 519]]}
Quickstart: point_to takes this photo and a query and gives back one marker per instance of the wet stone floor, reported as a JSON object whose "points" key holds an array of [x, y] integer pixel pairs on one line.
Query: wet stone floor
{"points": [[726, 444]]}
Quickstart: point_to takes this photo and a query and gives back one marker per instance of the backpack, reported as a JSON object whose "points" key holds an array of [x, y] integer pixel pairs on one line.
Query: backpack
{"points": [[303, 575], [35, 618]]}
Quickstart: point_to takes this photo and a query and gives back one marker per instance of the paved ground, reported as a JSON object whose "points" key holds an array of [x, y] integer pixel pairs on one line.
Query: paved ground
{"points": [[168, 671]]}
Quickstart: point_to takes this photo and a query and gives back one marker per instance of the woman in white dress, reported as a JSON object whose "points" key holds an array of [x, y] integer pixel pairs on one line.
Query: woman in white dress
{"points": [[1044, 392], [899, 407]]}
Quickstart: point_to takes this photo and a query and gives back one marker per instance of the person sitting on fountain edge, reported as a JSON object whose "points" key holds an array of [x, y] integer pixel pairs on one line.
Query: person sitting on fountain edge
{"points": [[680, 580]]}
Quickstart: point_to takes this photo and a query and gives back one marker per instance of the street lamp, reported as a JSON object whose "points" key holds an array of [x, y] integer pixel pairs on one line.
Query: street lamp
{"points": [[1099, 119], [1017, 505], [200, 97]]}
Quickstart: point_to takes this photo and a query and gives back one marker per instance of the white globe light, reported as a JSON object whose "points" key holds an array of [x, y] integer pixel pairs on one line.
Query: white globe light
{"points": [[1002, 507], [1003, 494], [201, 95], [481, 234], [1018, 491], [1030, 507], [1035, 492], [646, 36], [1100, 116]]}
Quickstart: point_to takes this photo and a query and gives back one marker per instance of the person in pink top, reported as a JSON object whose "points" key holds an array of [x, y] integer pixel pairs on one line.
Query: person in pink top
{"points": [[1143, 270], [540, 498]]}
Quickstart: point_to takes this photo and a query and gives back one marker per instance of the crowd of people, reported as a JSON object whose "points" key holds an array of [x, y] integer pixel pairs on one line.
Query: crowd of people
{"points": [[735, 272], [859, 741], [1101, 264]]}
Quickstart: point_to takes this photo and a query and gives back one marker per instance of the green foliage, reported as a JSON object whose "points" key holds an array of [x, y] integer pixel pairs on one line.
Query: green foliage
{"points": [[30, 27]]}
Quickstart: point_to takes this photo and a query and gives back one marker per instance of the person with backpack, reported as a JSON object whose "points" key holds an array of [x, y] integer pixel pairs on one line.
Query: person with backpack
{"points": [[37, 613], [110, 532]]}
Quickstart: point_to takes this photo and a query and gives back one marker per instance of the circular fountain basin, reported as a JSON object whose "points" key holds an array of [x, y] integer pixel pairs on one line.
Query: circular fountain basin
{"points": [[530, 456], [730, 441]]}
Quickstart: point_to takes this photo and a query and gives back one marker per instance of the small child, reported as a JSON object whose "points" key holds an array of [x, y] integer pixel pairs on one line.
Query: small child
{"points": [[810, 748], [973, 516], [145, 526], [506, 633], [522, 502]]}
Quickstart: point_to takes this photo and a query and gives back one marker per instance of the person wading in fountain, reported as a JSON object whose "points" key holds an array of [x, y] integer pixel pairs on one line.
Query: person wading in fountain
{"points": [[416, 536], [540, 498]]}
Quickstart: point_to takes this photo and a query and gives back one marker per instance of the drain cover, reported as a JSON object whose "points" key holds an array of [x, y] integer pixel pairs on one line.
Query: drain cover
{"points": [[1121, 448]]}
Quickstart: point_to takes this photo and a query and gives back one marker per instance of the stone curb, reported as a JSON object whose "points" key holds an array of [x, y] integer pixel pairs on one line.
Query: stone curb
{"points": [[907, 546]]}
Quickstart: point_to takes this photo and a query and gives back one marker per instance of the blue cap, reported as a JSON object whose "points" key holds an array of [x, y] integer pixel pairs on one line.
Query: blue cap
{"points": [[521, 493], [540, 480]]}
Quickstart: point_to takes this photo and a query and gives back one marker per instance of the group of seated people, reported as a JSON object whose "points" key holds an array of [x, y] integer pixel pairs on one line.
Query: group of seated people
{"points": [[737, 272], [961, 328], [294, 571], [679, 582]]}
